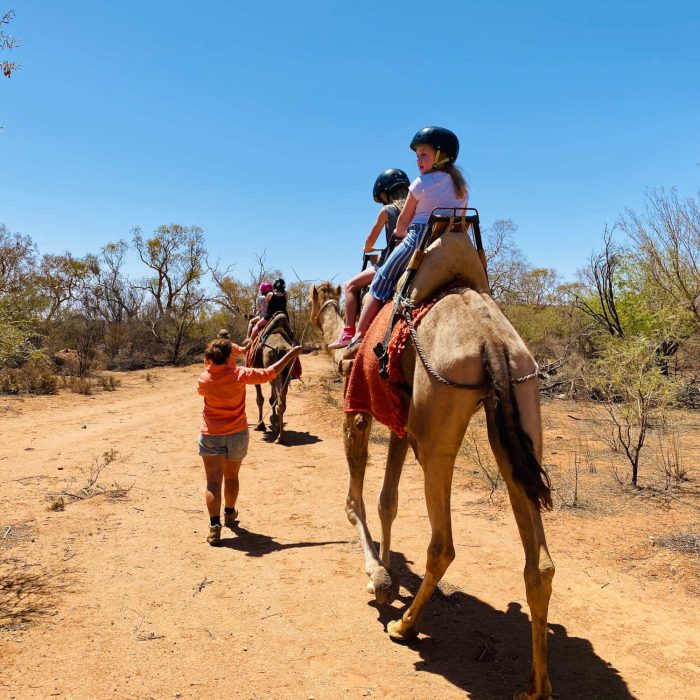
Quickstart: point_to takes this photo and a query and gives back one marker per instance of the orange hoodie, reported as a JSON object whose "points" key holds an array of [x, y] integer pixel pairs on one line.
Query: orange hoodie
{"points": [[223, 389]]}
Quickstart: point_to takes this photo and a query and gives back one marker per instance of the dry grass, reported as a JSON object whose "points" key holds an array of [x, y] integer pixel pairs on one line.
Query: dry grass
{"points": [[685, 542], [92, 485], [35, 377], [28, 593]]}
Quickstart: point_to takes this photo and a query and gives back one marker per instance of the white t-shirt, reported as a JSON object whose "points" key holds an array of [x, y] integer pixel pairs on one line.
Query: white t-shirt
{"points": [[434, 189]]}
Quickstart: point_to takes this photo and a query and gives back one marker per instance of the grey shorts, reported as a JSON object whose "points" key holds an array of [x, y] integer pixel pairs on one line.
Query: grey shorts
{"points": [[234, 446]]}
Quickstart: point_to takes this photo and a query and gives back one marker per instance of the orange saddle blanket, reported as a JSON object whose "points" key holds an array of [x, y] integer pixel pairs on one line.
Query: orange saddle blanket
{"points": [[365, 390]]}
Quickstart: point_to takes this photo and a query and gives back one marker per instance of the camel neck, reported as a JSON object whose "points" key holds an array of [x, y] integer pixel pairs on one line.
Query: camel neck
{"points": [[331, 323]]}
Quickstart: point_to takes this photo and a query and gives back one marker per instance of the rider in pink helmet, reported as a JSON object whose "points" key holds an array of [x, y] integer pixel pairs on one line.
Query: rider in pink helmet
{"points": [[260, 306]]}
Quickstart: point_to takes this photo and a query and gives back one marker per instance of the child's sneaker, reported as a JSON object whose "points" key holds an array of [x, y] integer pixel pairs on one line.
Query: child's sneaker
{"points": [[230, 519], [352, 348], [344, 338], [214, 537]]}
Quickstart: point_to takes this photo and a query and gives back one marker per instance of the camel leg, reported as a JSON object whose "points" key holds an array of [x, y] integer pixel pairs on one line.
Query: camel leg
{"points": [[388, 507], [437, 422], [280, 408], [539, 568], [437, 469], [356, 431], [261, 402]]}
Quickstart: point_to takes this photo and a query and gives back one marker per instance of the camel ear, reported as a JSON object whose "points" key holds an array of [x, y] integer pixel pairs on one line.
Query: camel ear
{"points": [[314, 294], [337, 290]]}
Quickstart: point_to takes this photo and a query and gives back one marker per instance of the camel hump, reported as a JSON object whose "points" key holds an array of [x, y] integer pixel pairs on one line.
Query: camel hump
{"points": [[279, 323], [452, 256]]}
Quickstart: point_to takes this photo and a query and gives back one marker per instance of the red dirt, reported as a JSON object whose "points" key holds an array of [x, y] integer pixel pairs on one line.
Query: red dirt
{"points": [[118, 595]]}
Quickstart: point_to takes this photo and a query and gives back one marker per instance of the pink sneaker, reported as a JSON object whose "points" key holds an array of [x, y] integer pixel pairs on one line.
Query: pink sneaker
{"points": [[344, 339]]}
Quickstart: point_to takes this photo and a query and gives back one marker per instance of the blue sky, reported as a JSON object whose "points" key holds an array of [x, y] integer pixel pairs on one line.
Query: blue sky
{"points": [[266, 123]]}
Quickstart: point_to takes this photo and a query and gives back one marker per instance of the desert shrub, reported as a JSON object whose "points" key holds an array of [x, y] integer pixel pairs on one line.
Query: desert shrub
{"points": [[632, 388], [550, 332], [78, 385], [35, 376], [108, 382]]}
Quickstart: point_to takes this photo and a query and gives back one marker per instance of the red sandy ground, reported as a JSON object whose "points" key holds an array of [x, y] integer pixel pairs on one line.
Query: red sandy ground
{"points": [[119, 596]]}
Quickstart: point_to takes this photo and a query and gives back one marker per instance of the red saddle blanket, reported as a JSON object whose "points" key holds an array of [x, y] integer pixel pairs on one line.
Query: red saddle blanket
{"points": [[365, 390], [253, 358]]}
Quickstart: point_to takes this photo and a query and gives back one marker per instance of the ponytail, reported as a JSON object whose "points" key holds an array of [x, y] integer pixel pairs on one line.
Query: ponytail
{"points": [[460, 184]]}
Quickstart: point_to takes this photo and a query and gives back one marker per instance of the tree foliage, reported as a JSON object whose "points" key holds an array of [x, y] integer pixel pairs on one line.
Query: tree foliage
{"points": [[7, 42]]}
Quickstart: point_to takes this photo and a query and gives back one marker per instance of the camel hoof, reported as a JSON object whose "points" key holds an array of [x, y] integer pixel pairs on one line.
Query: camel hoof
{"points": [[383, 586], [524, 695], [399, 632], [260, 427]]}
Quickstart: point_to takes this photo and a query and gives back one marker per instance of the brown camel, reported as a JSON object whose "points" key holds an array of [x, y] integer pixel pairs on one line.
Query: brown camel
{"points": [[468, 340], [276, 340]]}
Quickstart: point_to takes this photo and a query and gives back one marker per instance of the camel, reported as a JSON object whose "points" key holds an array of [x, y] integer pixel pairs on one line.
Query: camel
{"points": [[468, 340], [275, 341]]}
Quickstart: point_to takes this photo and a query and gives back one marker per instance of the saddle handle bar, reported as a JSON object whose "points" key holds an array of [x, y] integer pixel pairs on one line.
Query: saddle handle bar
{"points": [[462, 215]]}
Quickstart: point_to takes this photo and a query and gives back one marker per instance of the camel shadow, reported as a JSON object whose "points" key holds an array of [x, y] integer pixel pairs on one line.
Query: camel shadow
{"points": [[292, 438], [486, 652], [255, 544]]}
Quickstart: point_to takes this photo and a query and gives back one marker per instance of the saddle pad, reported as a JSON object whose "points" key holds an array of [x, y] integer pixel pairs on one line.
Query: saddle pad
{"points": [[365, 390]]}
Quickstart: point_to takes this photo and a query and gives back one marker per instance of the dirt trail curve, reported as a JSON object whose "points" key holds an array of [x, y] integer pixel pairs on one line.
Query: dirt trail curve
{"points": [[123, 598]]}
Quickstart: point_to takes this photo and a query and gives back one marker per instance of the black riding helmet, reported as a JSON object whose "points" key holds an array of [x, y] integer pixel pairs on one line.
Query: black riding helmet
{"points": [[442, 140], [279, 285], [387, 181]]}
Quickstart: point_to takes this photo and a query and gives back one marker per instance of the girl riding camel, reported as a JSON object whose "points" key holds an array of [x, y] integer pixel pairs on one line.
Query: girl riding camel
{"points": [[260, 306], [391, 190], [276, 303], [439, 185]]}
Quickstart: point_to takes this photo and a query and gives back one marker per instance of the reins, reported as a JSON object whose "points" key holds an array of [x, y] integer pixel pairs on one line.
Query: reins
{"points": [[329, 302]]}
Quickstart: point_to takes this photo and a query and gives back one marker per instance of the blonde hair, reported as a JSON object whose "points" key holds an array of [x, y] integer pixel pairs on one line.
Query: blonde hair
{"points": [[397, 196], [455, 172], [460, 184]]}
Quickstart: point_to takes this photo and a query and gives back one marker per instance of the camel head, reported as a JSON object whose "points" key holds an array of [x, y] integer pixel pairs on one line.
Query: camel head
{"points": [[320, 295]]}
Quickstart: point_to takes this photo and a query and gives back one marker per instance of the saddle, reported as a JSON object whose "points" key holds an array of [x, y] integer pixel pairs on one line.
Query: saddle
{"points": [[279, 324]]}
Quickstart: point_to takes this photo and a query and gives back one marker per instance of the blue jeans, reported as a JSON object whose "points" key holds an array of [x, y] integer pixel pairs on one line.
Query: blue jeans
{"points": [[384, 281]]}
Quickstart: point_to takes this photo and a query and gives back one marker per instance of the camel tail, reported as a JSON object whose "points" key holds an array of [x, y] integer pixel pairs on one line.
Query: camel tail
{"points": [[527, 470]]}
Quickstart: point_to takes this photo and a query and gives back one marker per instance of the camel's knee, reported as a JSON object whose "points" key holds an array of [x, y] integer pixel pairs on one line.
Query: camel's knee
{"points": [[440, 556], [538, 580]]}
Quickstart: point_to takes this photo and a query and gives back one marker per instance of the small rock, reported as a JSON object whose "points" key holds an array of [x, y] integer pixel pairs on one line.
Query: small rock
{"points": [[245, 648], [83, 427]]}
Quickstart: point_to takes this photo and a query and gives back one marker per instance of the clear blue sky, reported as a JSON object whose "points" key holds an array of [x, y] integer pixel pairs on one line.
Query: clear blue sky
{"points": [[267, 123]]}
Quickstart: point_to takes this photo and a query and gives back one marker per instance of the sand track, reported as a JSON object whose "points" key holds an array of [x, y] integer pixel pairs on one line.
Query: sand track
{"points": [[121, 597]]}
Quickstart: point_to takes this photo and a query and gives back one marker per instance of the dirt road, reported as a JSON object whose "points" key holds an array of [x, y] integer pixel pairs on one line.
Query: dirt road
{"points": [[118, 595]]}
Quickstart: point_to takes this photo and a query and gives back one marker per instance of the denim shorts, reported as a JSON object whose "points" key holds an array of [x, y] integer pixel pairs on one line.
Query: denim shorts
{"points": [[233, 446]]}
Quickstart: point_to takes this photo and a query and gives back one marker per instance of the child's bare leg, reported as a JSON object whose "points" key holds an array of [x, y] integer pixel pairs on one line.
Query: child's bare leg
{"points": [[351, 288], [251, 323], [369, 311], [258, 327], [214, 468], [231, 485]]}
